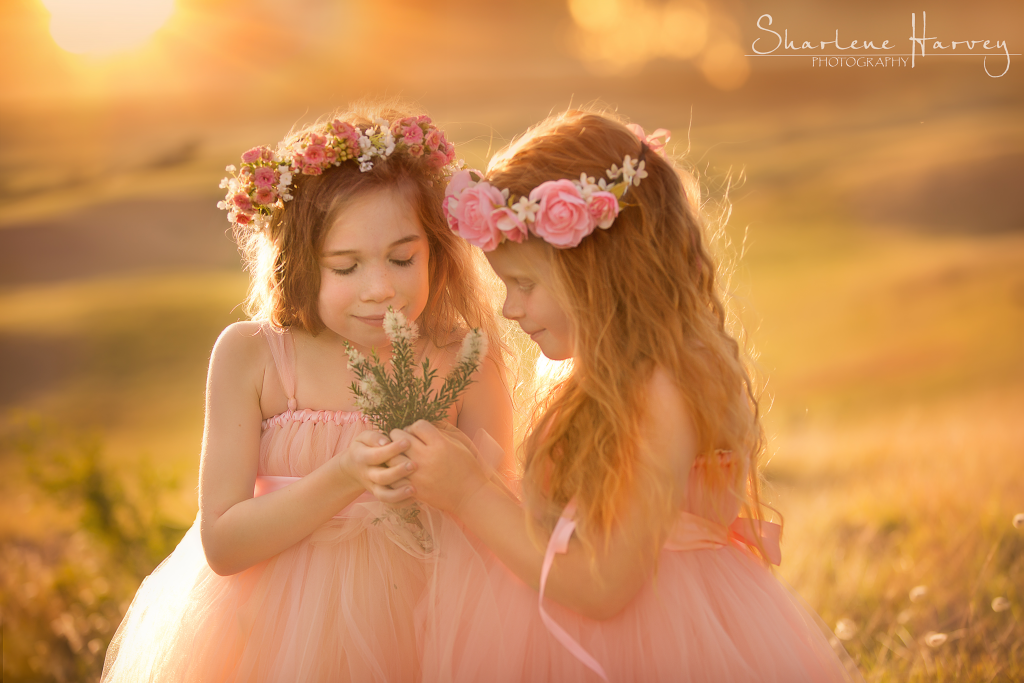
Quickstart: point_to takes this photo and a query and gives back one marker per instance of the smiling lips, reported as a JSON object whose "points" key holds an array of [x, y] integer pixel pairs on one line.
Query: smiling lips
{"points": [[374, 320]]}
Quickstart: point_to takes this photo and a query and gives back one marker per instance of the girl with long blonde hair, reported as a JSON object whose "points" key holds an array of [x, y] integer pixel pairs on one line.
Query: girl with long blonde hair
{"points": [[639, 550]]}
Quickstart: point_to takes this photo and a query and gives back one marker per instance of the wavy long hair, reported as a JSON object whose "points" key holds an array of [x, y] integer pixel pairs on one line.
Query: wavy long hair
{"points": [[283, 260], [641, 294]]}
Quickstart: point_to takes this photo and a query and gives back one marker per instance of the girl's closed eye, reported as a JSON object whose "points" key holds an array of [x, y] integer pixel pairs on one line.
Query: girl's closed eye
{"points": [[403, 263], [346, 271], [524, 285]]}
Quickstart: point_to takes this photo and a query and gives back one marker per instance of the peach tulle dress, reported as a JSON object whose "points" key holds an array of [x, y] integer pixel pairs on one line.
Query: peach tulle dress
{"points": [[337, 606], [714, 613]]}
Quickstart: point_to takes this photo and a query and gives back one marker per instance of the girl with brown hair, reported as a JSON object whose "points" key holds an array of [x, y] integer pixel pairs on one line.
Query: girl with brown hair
{"points": [[297, 569]]}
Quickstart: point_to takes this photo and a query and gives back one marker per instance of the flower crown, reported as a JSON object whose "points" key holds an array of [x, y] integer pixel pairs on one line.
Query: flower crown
{"points": [[560, 212], [266, 177]]}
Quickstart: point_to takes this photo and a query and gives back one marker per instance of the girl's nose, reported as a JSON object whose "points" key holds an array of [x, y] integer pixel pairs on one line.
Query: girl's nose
{"points": [[377, 286], [512, 309]]}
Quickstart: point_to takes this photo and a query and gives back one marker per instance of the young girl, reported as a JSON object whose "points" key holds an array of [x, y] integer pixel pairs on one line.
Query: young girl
{"points": [[647, 450], [296, 568]]}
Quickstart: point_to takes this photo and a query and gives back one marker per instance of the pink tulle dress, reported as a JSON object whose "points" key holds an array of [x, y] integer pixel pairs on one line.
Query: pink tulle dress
{"points": [[713, 614], [337, 606]]}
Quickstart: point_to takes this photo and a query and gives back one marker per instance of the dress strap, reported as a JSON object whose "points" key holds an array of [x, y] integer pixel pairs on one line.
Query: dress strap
{"points": [[559, 543], [282, 346]]}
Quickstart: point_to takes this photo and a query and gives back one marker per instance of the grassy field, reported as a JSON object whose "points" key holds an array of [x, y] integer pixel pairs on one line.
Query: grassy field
{"points": [[893, 388]]}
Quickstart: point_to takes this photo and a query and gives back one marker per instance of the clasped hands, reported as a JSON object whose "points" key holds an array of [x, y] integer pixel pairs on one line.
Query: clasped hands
{"points": [[437, 464]]}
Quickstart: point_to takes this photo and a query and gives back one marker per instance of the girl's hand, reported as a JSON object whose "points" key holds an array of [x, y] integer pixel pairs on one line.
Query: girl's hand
{"points": [[377, 464], [447, 471]]}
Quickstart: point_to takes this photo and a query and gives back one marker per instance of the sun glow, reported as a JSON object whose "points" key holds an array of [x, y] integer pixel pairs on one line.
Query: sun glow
{"points": [[103, 27]]}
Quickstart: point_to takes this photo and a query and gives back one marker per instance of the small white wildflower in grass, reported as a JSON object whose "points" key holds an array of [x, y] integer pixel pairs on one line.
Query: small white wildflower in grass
{"points": [[904, 616], [1000, 604], [845, 629], [918, 592], [1018, 520], [933, 639]]}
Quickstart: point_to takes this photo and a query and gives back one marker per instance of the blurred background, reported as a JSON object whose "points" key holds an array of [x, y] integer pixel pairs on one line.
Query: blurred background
{"points": [[874, 227]]}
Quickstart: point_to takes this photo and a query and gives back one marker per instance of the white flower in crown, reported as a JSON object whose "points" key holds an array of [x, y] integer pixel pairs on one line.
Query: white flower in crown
{"points": [[640, 174], [526, 210], [627, 170], [588, 186], [614, 172]]}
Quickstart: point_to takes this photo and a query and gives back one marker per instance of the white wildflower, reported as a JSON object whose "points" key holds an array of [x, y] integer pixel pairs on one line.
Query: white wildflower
{"points": [[365, 144], [282, 169], [845, 629], [372, 393], [614, 172], [398, 328], [918, 592], [1018, 520], [222, 205], [474, 347], [525, 209], [355, 359], [231, 169], [602, 184], [364, 165], [1000, 604], [389, 142], [223, 183], [933, 639]]}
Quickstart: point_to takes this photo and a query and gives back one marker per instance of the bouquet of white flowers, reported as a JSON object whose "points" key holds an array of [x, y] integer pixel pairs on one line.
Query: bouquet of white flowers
{"points": [[396, 399]]}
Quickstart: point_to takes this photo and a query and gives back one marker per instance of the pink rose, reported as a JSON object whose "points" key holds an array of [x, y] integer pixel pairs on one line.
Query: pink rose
{"points": [[460, 180], [314, 154], [437, 159], [253, 155], [311, 169], [317, 139], [265, 195], [450, 152], [434, 139], [347, 132], [423, 118], [242, 201], [264, 177], [506, 221], [472, 215], [604, 207], [416, 150], [412, 135], [562, 220]]}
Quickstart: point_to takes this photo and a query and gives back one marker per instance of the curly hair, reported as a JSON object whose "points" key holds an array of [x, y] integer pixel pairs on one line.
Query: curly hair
{"points": [[642, 294]]}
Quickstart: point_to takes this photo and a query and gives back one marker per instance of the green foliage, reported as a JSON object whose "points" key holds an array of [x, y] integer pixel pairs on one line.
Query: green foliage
{"points": [[65, 590], [396, 399]]}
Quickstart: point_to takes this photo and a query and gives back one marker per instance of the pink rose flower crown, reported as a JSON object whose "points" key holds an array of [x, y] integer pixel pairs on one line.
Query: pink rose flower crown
{"points": [[560, 212], [265, 178]]}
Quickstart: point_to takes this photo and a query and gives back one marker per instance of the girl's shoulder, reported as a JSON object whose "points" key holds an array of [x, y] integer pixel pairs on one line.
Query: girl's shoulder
{"points": [[242, 344], [668, 422]]}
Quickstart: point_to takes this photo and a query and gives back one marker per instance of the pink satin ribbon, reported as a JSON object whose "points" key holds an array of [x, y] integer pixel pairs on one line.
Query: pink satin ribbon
{"points": [[691, 532], [269, 484], [559, 543]]}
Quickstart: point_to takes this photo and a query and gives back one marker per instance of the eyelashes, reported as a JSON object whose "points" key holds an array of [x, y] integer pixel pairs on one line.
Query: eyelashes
{"points": [[401, 264]]}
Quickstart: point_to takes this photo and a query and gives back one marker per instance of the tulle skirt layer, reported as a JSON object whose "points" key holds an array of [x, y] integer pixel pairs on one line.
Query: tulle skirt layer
{"points": [[713, 615], [337, 606]]}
